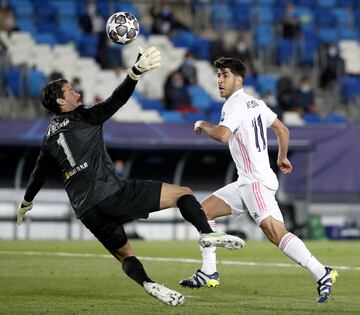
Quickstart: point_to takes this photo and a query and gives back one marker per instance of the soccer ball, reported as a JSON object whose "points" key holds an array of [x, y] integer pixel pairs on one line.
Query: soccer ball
{"points": [[122, 28]]}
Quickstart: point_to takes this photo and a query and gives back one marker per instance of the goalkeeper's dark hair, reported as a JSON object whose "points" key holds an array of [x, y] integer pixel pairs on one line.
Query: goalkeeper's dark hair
{"points": [[235, 65], [51, 92]]}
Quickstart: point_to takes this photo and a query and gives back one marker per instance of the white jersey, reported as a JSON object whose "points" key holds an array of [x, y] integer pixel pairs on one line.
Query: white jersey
{"points": [[248, 120]]}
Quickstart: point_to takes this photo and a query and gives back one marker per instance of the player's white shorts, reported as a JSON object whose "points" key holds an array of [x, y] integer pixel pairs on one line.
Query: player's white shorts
{"points": [[256, 198]]}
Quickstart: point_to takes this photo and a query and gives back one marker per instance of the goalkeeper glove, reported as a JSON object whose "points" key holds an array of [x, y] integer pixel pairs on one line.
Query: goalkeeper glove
{"points": [[24, 207], [147, 60]]}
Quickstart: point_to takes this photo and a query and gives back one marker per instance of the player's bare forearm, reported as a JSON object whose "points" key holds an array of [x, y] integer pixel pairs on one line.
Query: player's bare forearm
{"points": [[283, 135], [216, 132]]}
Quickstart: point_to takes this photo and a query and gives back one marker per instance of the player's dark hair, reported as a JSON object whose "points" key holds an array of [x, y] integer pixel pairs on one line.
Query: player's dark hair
{"points": [[235, 65], [51, 92]]}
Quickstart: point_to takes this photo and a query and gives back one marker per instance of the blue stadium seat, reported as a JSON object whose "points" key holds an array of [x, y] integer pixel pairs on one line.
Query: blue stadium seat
{"points": [[263, 37], [346, 3], [88, 45], [263, 15], [45, 38], [311, 118], [221, 16], [285, 51], [241, 17], [350, 88], [201, 48], [151, 103], [26, 24], [193, 117], [308, 48], [22, 9], [13, 82], [328, 35], [35, 80], [326, 3], [325, 18], [200, 99], [172, 116], [266, 83], [333, 118]]}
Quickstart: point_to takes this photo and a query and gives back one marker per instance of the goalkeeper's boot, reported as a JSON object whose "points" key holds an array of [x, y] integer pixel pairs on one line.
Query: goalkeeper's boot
{"points": [[163, 294], [325, 284], [221, 240], [200, 279]]}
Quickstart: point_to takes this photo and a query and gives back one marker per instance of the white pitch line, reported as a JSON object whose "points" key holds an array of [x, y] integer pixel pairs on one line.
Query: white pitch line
{"points": [[164, 259]]}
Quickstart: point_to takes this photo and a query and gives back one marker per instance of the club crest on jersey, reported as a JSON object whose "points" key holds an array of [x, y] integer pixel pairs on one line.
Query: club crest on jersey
{"points": [[251, 104]]}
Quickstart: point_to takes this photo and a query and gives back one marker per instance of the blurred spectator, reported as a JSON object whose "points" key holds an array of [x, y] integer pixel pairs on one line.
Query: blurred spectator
{"points": [[289, 23], [109, 55], [164, 21], [7, 21], [331, 65], [176, 93], [242, 51], [119, 166], [285, 93], [92, 22], [217, 49], [270, 100], [188, 69], [76, 84], [304, 96]]}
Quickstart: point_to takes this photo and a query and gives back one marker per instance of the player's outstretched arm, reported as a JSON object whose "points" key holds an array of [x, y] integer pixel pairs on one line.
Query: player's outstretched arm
{"points": [[24, 207], [216, 132], [147, 60]]}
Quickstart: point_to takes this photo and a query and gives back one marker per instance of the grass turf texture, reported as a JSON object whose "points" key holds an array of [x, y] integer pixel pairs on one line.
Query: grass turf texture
{"points": [[52, 284]]}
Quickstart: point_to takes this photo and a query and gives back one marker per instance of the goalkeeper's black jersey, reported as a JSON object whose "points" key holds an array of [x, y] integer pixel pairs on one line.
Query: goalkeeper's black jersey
{"points": [[74, 142]]}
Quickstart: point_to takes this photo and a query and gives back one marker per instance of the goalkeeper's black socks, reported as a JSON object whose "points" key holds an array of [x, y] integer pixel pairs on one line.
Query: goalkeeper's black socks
{"points": [[192, 212], [135, 270]]}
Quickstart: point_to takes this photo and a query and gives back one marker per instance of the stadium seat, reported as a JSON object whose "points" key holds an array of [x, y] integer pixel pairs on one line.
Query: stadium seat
{"points": [[333, 118], [241, 17], [199, 98], [193, 117], [311, 118], [350, 88], [266, 83], [285, 51], [328, 35], [13, 82], [88, 45], [35, 80], [326, 3], [172, 116], [151, 103]]}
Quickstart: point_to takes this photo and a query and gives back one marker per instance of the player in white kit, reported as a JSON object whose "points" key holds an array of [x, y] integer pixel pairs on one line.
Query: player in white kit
{"points": [[243, 125]]}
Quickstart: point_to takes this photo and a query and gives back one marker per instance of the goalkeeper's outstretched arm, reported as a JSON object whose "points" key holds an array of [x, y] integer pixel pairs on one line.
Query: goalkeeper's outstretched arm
{"points": [[35, 183]]}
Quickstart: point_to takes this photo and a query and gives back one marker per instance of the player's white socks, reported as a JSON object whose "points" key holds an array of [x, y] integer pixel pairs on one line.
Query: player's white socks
{"points": [[209, 254], [295, 248]]}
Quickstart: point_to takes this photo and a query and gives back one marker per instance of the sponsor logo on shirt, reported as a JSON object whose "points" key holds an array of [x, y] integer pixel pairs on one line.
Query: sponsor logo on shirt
{"points": [[75, 170], [55, 126]]}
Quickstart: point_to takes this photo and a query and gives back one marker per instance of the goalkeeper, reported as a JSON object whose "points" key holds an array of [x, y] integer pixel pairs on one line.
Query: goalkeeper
{"points": [[101, 199]]}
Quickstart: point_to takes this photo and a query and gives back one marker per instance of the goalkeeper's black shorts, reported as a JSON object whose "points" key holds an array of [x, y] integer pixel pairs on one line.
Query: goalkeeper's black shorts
{"points": [[135, 200]]}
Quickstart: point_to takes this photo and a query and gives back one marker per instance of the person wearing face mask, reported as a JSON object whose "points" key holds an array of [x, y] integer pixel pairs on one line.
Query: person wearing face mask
{"points": [[176, 93], [304, 96], [91, 21], [331, 65], [188, 69], [242, 50]]}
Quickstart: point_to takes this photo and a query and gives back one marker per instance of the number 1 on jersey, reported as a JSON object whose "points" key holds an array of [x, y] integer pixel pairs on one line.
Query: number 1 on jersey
{"points": [[258, 128], [62, 142]]}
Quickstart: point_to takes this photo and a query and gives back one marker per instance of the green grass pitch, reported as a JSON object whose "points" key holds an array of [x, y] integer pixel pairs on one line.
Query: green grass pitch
{"points": [[80, 277]]}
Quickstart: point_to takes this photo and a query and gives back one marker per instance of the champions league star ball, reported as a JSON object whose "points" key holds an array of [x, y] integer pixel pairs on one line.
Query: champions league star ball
{"points": [[122, 28]]}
